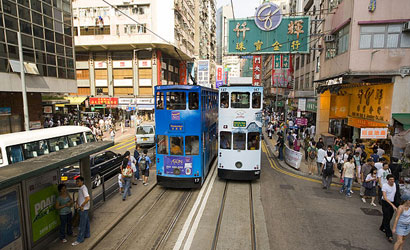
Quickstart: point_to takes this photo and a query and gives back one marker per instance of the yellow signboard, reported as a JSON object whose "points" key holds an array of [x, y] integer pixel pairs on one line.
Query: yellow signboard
{"points": [[339, 106]]}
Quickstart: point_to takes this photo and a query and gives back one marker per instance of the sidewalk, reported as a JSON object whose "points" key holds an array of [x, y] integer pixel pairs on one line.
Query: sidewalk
{"points": [[108, 215], [303, 170]]}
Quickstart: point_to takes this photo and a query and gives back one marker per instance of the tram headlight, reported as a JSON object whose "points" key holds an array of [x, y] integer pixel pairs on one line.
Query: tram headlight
{"points": [[238, 164]]}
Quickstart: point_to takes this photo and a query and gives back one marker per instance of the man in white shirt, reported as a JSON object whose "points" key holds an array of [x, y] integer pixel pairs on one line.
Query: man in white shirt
{"points": [[379, 165], [380, 152], [312, 130], [83, 204], [321, 153], [389, 191], [382, 178]]}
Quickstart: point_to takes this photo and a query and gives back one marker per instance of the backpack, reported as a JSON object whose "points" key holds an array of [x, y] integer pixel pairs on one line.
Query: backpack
{"points": [[127, 171], [143, 163], [312, 153], [328, 167]]}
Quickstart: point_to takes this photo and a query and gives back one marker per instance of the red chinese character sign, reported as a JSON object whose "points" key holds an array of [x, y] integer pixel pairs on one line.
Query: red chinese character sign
{"points": [[182, 73], [282, 71], [110, 101], [256, 76], [219, 76]]}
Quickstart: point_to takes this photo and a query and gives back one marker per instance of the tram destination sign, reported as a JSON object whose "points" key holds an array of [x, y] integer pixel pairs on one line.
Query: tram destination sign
{"points": [[239, 124], [269, 32]]}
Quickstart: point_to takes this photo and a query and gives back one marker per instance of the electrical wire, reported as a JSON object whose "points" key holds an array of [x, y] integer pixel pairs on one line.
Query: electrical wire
{"points": [[233, 12]]}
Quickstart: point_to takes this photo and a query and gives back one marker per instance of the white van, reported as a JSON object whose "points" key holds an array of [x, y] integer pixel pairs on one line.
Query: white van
{"points": [[145, 135]]}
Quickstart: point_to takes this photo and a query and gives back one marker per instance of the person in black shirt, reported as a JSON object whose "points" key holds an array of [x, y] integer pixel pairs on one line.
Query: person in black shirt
{"points": [[396, 168], [281, 144], [320, 143]]}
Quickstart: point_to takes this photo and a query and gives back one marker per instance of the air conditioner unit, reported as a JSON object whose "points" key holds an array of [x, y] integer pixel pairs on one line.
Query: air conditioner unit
{"points": [[329, 38], [406, 27]]}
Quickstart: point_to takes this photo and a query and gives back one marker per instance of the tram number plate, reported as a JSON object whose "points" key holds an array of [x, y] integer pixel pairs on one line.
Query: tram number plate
{"points": [[239, 124]]}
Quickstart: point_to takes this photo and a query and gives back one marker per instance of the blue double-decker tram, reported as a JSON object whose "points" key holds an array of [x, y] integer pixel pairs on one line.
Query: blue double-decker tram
{"points": [[186, 134]]}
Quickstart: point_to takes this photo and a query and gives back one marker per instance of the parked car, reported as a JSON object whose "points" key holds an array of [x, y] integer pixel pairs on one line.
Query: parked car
{"points": [[103, 163], [145, 135]]}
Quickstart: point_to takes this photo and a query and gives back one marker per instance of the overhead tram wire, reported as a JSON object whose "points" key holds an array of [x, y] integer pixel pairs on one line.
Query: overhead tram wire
{"points": [[233, 12]]}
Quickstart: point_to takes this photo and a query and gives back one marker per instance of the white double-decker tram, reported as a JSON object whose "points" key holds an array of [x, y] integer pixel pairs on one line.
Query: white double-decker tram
{"points": [[240, 129]]}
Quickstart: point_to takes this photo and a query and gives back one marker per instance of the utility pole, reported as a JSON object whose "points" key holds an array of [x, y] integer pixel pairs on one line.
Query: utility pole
{"points": [[23, 84]]}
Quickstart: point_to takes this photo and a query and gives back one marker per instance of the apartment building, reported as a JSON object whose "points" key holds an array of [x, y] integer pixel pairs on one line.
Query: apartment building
{"points": [[364, 68], [48, 55]]}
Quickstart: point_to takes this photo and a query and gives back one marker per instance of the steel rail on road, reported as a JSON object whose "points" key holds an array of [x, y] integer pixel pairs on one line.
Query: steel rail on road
{"points": [[221, 211]]}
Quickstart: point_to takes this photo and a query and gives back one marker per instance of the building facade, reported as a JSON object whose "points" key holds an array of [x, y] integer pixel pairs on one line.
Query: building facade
{"points": [[364, 68], [48, 55]]}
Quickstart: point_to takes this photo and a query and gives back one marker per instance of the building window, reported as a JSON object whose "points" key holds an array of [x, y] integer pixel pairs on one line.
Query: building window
{"points": [[333, 4], [383, 36], [307, 81], [340, 44], [297, 62], [302, 64]]}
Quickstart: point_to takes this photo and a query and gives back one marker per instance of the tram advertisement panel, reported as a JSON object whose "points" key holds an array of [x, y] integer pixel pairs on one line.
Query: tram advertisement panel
{"points": [[10, 229], [178, 165], [42, 193]]}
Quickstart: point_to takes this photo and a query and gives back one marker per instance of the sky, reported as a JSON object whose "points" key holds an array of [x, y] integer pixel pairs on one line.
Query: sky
{"points": [[241, 8]]}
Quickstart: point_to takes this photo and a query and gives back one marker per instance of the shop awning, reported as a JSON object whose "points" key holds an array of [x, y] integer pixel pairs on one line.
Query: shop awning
{"points": [[145, 107], [75, 100], [403, 118]]}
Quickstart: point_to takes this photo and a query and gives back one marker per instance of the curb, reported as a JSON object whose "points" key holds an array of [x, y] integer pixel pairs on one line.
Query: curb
{"points": [[118, 219], [284, 165]]}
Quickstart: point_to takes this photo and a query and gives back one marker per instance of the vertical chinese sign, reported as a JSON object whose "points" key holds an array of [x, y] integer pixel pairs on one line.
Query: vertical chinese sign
{"points": [[282, 70], [219, 76], [256, 76], [182, 73]]}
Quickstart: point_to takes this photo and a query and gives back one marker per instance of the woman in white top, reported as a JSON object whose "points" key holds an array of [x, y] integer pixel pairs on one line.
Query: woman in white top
{"points": [[370, 186], [348, 175], [401, 225]]}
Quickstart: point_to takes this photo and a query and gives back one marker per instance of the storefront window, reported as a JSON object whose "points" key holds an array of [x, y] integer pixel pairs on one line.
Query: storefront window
{"points": [[240, 100], [160, 100], [226, 140], [177, 144], [253, 141], [256, 100], [176, 101], [162, 144], [193, 100], [239, 141], [191, 145]]}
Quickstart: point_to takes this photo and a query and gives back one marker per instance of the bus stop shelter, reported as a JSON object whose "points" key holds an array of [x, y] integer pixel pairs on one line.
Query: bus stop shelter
{"points": [[28, 191]]}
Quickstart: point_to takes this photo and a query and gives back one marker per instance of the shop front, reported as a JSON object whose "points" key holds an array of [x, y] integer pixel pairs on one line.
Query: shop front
{"points": [[145, 108]]}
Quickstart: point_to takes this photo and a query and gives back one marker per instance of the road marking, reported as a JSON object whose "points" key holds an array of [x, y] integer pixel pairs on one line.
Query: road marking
{"points": [[122, 143], [188, 221], [126, 145], [277, 168]]}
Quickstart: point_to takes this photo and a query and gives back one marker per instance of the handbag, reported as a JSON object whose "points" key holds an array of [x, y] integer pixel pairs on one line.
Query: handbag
{"points": [[368, 184]]}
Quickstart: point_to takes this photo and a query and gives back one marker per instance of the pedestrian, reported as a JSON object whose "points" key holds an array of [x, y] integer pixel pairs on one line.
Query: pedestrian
{"points": [[382, 178], [348, 175], [137, 156], [380, 163], [134, 167], [126, 171], [280, 145], [375, 156], [120, 183], [329, 164], [64, 204], [296, 144], [306, 145], [144, 163], [83, 204], [290, 140], [358, 164], [370, 184], [401, 225], [364, 171], [312, 156], [321, 154], [320, 143], [396, 168], [388, 208]]}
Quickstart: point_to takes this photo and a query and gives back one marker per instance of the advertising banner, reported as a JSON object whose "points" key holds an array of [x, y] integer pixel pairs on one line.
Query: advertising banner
{"points": [[257, 65], [178, 165], [293, 158], [182, 73], [203, 73], [219, 76], [103, 100], [373, 133], [10, 222], [301, 121]]}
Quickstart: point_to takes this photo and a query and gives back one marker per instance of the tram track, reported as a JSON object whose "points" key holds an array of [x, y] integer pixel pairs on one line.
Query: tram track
{"points": [[221, 216], [127, 234]]}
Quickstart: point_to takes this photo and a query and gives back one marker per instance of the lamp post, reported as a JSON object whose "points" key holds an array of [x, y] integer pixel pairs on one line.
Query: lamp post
{"points": [[23, 85]]}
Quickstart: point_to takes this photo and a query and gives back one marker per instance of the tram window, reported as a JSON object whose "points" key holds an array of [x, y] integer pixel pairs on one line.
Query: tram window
{"points": [[224, 100], [176, 101], [226, 140], [160, 100], [253, 141], [162, 144], [58, 143], [191, 145], [240, 100], [193, 98], [239, 141], [15, 154], [256, 100], [177, 144], [75, 140], [34, 149]]}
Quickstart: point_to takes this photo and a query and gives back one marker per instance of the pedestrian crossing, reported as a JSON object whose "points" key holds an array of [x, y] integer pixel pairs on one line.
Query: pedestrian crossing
{"points": [[128, 142]]}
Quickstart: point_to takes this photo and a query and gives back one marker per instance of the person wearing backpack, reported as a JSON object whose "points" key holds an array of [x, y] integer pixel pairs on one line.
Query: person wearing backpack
{"points": [[329, 165], [312, 155], [144, 163], [126, 171]]}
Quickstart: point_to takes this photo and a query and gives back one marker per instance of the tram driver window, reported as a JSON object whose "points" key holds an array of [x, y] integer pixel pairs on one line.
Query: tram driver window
{"points": [[226, 140], [224, 100], [162, 144], [160, 100], [176, 101], [191, 145], [177, 144], [239, 141], [193, 99], [256, 100], [240, 100], [253, 141]]}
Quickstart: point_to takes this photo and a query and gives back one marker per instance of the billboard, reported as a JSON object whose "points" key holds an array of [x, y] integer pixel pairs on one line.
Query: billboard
{"points": [[203, 73]]}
